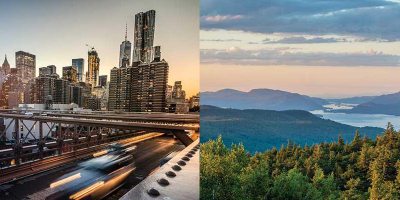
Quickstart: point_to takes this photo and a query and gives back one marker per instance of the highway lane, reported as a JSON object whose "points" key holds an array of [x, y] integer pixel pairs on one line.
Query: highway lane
{"points": [[147, 158]]}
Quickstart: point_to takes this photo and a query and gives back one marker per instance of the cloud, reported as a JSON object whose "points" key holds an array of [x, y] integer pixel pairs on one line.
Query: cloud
{"points": [[366, 18], [220, 40], [303, 40], [221, 18], [280, 56]]}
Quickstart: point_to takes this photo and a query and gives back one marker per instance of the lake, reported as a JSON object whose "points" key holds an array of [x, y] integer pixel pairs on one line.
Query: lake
{"points": [[359, 120]]}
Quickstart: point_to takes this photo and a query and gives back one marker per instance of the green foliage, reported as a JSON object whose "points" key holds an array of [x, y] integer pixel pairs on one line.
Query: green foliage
{"points": [[361, 169]]}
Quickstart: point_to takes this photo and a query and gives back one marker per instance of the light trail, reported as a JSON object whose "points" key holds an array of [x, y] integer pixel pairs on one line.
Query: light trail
{"points": [[84, 192], [65, 180]]}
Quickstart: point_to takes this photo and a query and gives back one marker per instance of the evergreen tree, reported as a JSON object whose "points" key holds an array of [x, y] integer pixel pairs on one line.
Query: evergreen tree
{"points": [[362, 169]]}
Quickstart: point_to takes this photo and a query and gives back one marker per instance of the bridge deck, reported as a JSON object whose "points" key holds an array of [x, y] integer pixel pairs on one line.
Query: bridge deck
{"points": [[183, 186], [106, 122]]}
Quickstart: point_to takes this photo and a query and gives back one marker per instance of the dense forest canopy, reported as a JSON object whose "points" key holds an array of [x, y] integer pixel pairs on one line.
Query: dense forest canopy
{"points": [[360, 169]]}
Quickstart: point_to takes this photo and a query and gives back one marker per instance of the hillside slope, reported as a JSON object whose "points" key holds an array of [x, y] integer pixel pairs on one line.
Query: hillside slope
{"points": [[259, 130], [261, 99]]}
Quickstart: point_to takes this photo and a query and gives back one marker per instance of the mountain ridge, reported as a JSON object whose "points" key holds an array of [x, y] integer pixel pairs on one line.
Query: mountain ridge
{"points": [[261, 98], [259, 129]]}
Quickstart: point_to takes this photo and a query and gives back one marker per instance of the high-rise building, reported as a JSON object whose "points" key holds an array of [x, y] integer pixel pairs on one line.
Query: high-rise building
{"points": [[117, 96], [169, 93], [177, 102], [79, 63], [63, 92], [76, 95], [142, 86], [178, 94], [144, 36], [93, 103], [194, 103], [86, 92], [125, 51], [4, 71], [52, 69], [47, 71], [101, 93], [157, 54], [103, 80], [92, 74], [41, 88], [26, 66], [6, 66], [147, 86], [70, 73], [12, 90]]}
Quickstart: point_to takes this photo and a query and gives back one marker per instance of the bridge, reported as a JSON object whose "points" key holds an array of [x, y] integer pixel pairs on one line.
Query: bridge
{"points": [[41, 140]]}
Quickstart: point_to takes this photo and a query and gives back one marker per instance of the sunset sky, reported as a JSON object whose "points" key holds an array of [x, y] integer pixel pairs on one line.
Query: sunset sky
{"points": [[319, 48], [57, 31]]}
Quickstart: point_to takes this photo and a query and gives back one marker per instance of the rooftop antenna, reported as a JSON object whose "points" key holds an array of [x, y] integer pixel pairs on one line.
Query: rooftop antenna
{"points": [[126, 31]]}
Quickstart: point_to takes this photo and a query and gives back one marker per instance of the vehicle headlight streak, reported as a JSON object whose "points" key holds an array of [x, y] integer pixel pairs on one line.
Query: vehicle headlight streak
{"points": [[65, 180], [100, 153], [82, 193]]}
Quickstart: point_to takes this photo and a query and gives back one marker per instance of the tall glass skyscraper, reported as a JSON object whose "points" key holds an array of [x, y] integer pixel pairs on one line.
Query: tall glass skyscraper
{"points": [[92, 75], [125, 51], [79, 63], [144, 36], [26, 66]]}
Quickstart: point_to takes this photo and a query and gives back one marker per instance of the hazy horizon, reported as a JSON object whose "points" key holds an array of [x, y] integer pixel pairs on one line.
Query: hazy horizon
{"points": [[323, 97]]}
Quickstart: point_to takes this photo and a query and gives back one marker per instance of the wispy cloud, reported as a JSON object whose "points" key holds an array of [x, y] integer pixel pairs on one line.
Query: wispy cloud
{"points": [[220, 40], [303, 40], [221, 18], [367, 18], [280, 56]]}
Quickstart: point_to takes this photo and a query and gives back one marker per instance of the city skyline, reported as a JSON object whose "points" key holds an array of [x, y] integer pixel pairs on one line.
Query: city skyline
{"points": [[327, 49], [105, 35]]}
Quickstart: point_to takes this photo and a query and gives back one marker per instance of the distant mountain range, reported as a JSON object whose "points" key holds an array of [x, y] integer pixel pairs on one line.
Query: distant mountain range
{"points": [[385, 104], [268, 99], [262, 129], [261, 99], [352, 100]]}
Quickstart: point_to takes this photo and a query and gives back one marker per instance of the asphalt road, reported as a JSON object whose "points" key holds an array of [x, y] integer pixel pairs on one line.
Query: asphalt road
{"points": [[146, 158]]}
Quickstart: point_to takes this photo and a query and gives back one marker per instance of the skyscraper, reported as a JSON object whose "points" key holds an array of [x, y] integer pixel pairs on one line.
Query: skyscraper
{"points": [[79, 63], [92, 74], [157, 54], [41, 88], [117, 97], [47, 71], [4, 71], [125, 51], [26, 66], [6, 66], [70, 73], [12, 90], [144, 36], [63, 92], [142, 86], [147, 87], [178, 94], [103, 80]]}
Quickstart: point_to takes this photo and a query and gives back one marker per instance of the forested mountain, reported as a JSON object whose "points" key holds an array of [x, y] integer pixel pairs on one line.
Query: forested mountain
{"points": [[259, 130], [266, 99], [385, 104], [360, 169]]}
